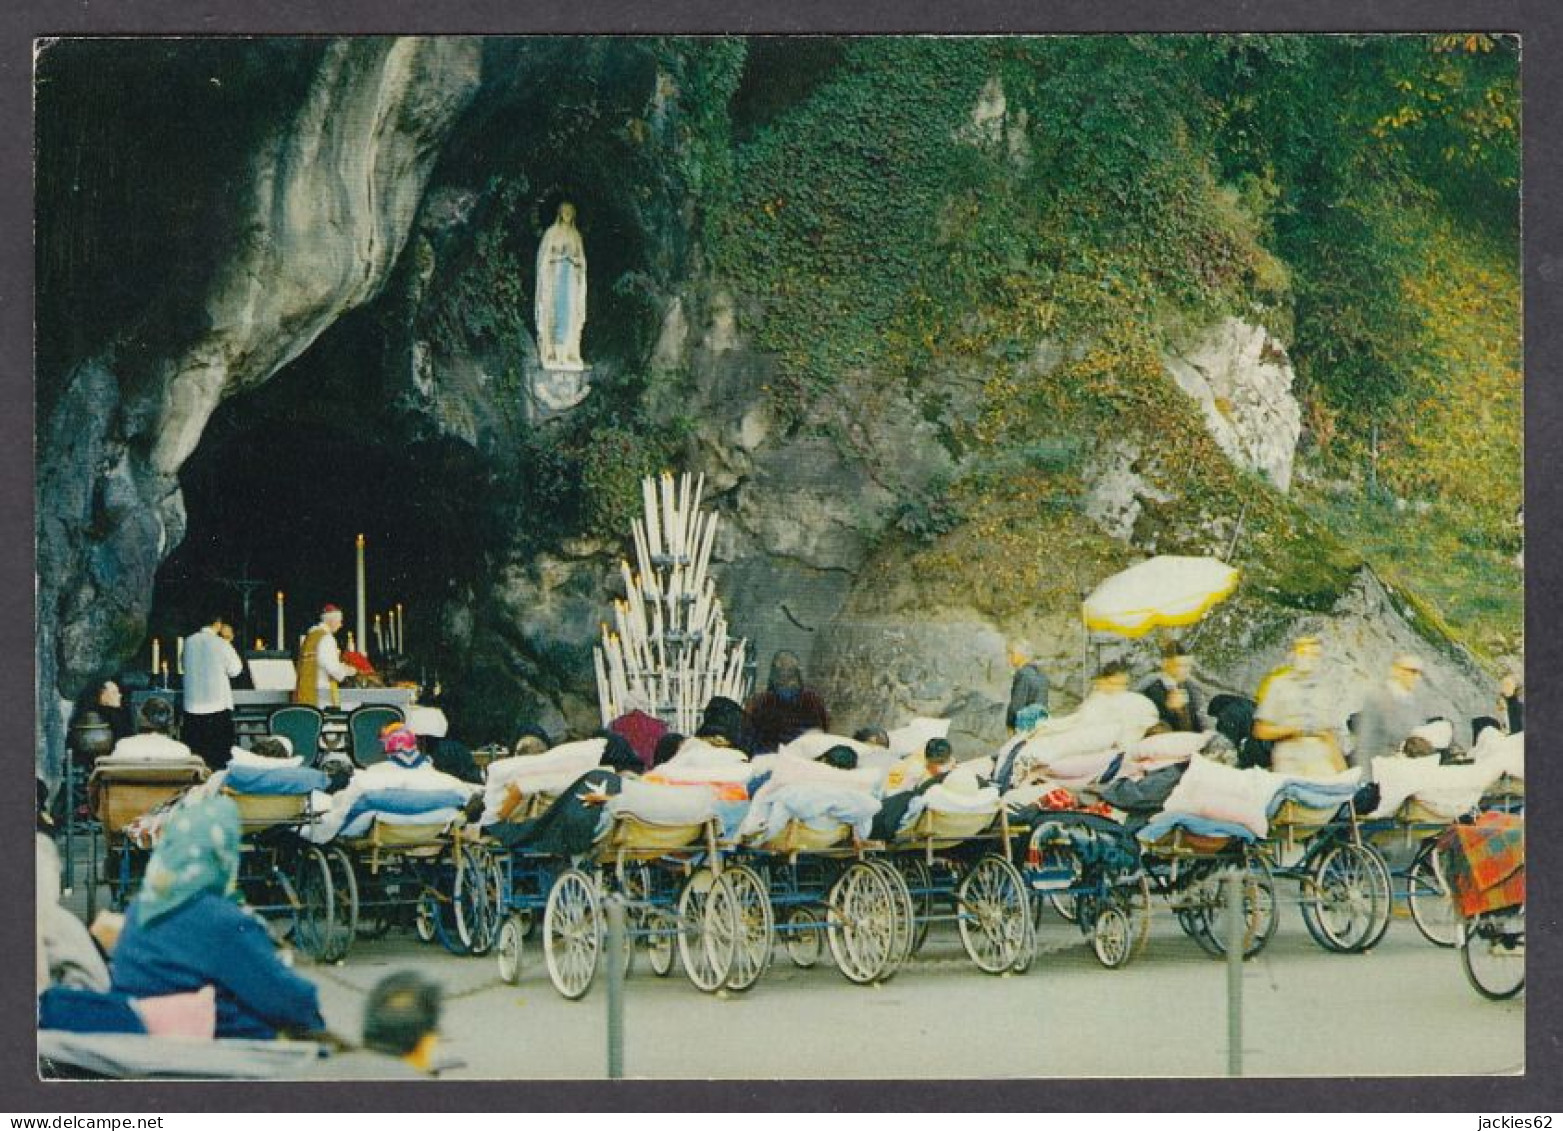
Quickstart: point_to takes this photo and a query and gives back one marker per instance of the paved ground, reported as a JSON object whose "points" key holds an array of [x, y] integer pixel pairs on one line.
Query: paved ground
{"points": [[1405, 1008]]}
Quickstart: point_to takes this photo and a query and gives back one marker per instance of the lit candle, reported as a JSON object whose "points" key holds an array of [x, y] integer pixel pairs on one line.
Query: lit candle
{"points": [[352, 643], [179, 655], [157, 656], [282, 626], [165, 673], [260, 644], [379, 638], [401, 628], [359, 608]]}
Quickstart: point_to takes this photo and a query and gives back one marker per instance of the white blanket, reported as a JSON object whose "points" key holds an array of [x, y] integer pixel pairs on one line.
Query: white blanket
{"points": [[699, 761], [794, 771], [1447, 790], [663, 804], [550, 772]]}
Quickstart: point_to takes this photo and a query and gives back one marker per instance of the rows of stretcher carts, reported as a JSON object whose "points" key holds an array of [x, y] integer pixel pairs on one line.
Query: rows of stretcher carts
{"points": [[722, 902]]}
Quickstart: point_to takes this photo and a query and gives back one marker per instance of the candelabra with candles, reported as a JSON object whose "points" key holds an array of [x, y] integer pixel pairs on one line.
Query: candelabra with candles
{"points": [[668, 652]]}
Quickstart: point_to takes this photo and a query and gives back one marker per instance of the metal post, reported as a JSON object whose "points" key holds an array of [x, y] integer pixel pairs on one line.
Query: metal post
{"points": [[615, 949], [1237, 939]]}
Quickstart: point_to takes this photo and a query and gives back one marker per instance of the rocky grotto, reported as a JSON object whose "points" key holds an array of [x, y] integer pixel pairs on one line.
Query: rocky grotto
{"points": [[285, 295]]}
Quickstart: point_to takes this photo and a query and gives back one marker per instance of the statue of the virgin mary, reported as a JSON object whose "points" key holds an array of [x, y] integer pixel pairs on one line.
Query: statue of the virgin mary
{"points": [[561, 293]]}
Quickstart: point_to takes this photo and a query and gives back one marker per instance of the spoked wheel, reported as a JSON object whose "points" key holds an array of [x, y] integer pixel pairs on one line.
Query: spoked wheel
{"points": [[1345, 899], [314, 918], [1122, 925], [905, 913], [426, 918], [860, 923], [755, 926], [707, 930], [918, 879], [1260, 910], [1058, 859], [344, 901], [993, 914], [479, 899], [802, 936], [1427, 894], [508, 949], [1492, 951], [661, 941], [572, 933]]}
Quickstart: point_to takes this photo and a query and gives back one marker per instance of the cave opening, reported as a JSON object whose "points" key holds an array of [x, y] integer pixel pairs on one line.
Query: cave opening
{"points": [[285, 478]]}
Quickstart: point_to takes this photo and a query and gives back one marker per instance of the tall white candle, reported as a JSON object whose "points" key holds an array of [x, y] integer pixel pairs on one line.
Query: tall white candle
{"points": [[157, 656], [401, 627], [282, 624], [379, 637], [179, 655], [362, 618]]}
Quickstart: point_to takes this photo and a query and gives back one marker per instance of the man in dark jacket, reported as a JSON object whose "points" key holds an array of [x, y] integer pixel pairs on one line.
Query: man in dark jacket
{"points": [[1177, 702], [1028, 688]]}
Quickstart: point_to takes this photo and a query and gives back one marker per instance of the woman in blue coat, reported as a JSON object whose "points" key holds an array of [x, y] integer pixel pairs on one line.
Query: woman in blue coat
{"points": [[186, 930]]}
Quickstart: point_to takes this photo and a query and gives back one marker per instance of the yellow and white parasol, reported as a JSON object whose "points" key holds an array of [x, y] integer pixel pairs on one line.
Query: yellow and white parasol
{"points": [[1163, 592]]}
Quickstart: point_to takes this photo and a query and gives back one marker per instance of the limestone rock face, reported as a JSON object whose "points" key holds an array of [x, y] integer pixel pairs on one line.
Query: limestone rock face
{"points": [[330, 201], [1243, 382]]}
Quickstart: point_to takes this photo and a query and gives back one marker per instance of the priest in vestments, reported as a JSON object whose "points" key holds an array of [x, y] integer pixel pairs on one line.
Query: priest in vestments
{"points": [[320, 662]]}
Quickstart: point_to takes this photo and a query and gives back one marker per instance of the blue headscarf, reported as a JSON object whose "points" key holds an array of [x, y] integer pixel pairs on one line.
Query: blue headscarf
{"points": [[197, 853]]}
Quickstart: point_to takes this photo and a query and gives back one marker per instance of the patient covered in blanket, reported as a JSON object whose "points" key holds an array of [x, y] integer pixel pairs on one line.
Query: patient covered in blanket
{"points": [[822, 794], [405, 789]]}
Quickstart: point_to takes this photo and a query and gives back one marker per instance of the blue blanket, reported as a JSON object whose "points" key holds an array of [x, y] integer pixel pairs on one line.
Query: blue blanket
{"points": [[1163, 824], [429, 805], [274, 781], [359, 820], [1312, 795]]}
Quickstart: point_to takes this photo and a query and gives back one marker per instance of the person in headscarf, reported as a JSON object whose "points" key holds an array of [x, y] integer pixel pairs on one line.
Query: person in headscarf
{"points": [[786, 708], [185, 930], [1294, 713], [406, 767], [722, 723]]}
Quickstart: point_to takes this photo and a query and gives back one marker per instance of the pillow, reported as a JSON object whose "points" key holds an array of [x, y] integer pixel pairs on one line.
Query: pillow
{"points": [[911, 738], [192, 1016], [793, 771], [1173, 746], [1221, 793], [815, 742]]}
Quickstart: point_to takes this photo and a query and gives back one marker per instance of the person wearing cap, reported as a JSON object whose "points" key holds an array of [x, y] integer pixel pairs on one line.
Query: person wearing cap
{"points": [[320, 666], [210, 666], [1391, 713], [1294, 712], [1176, 699]]}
